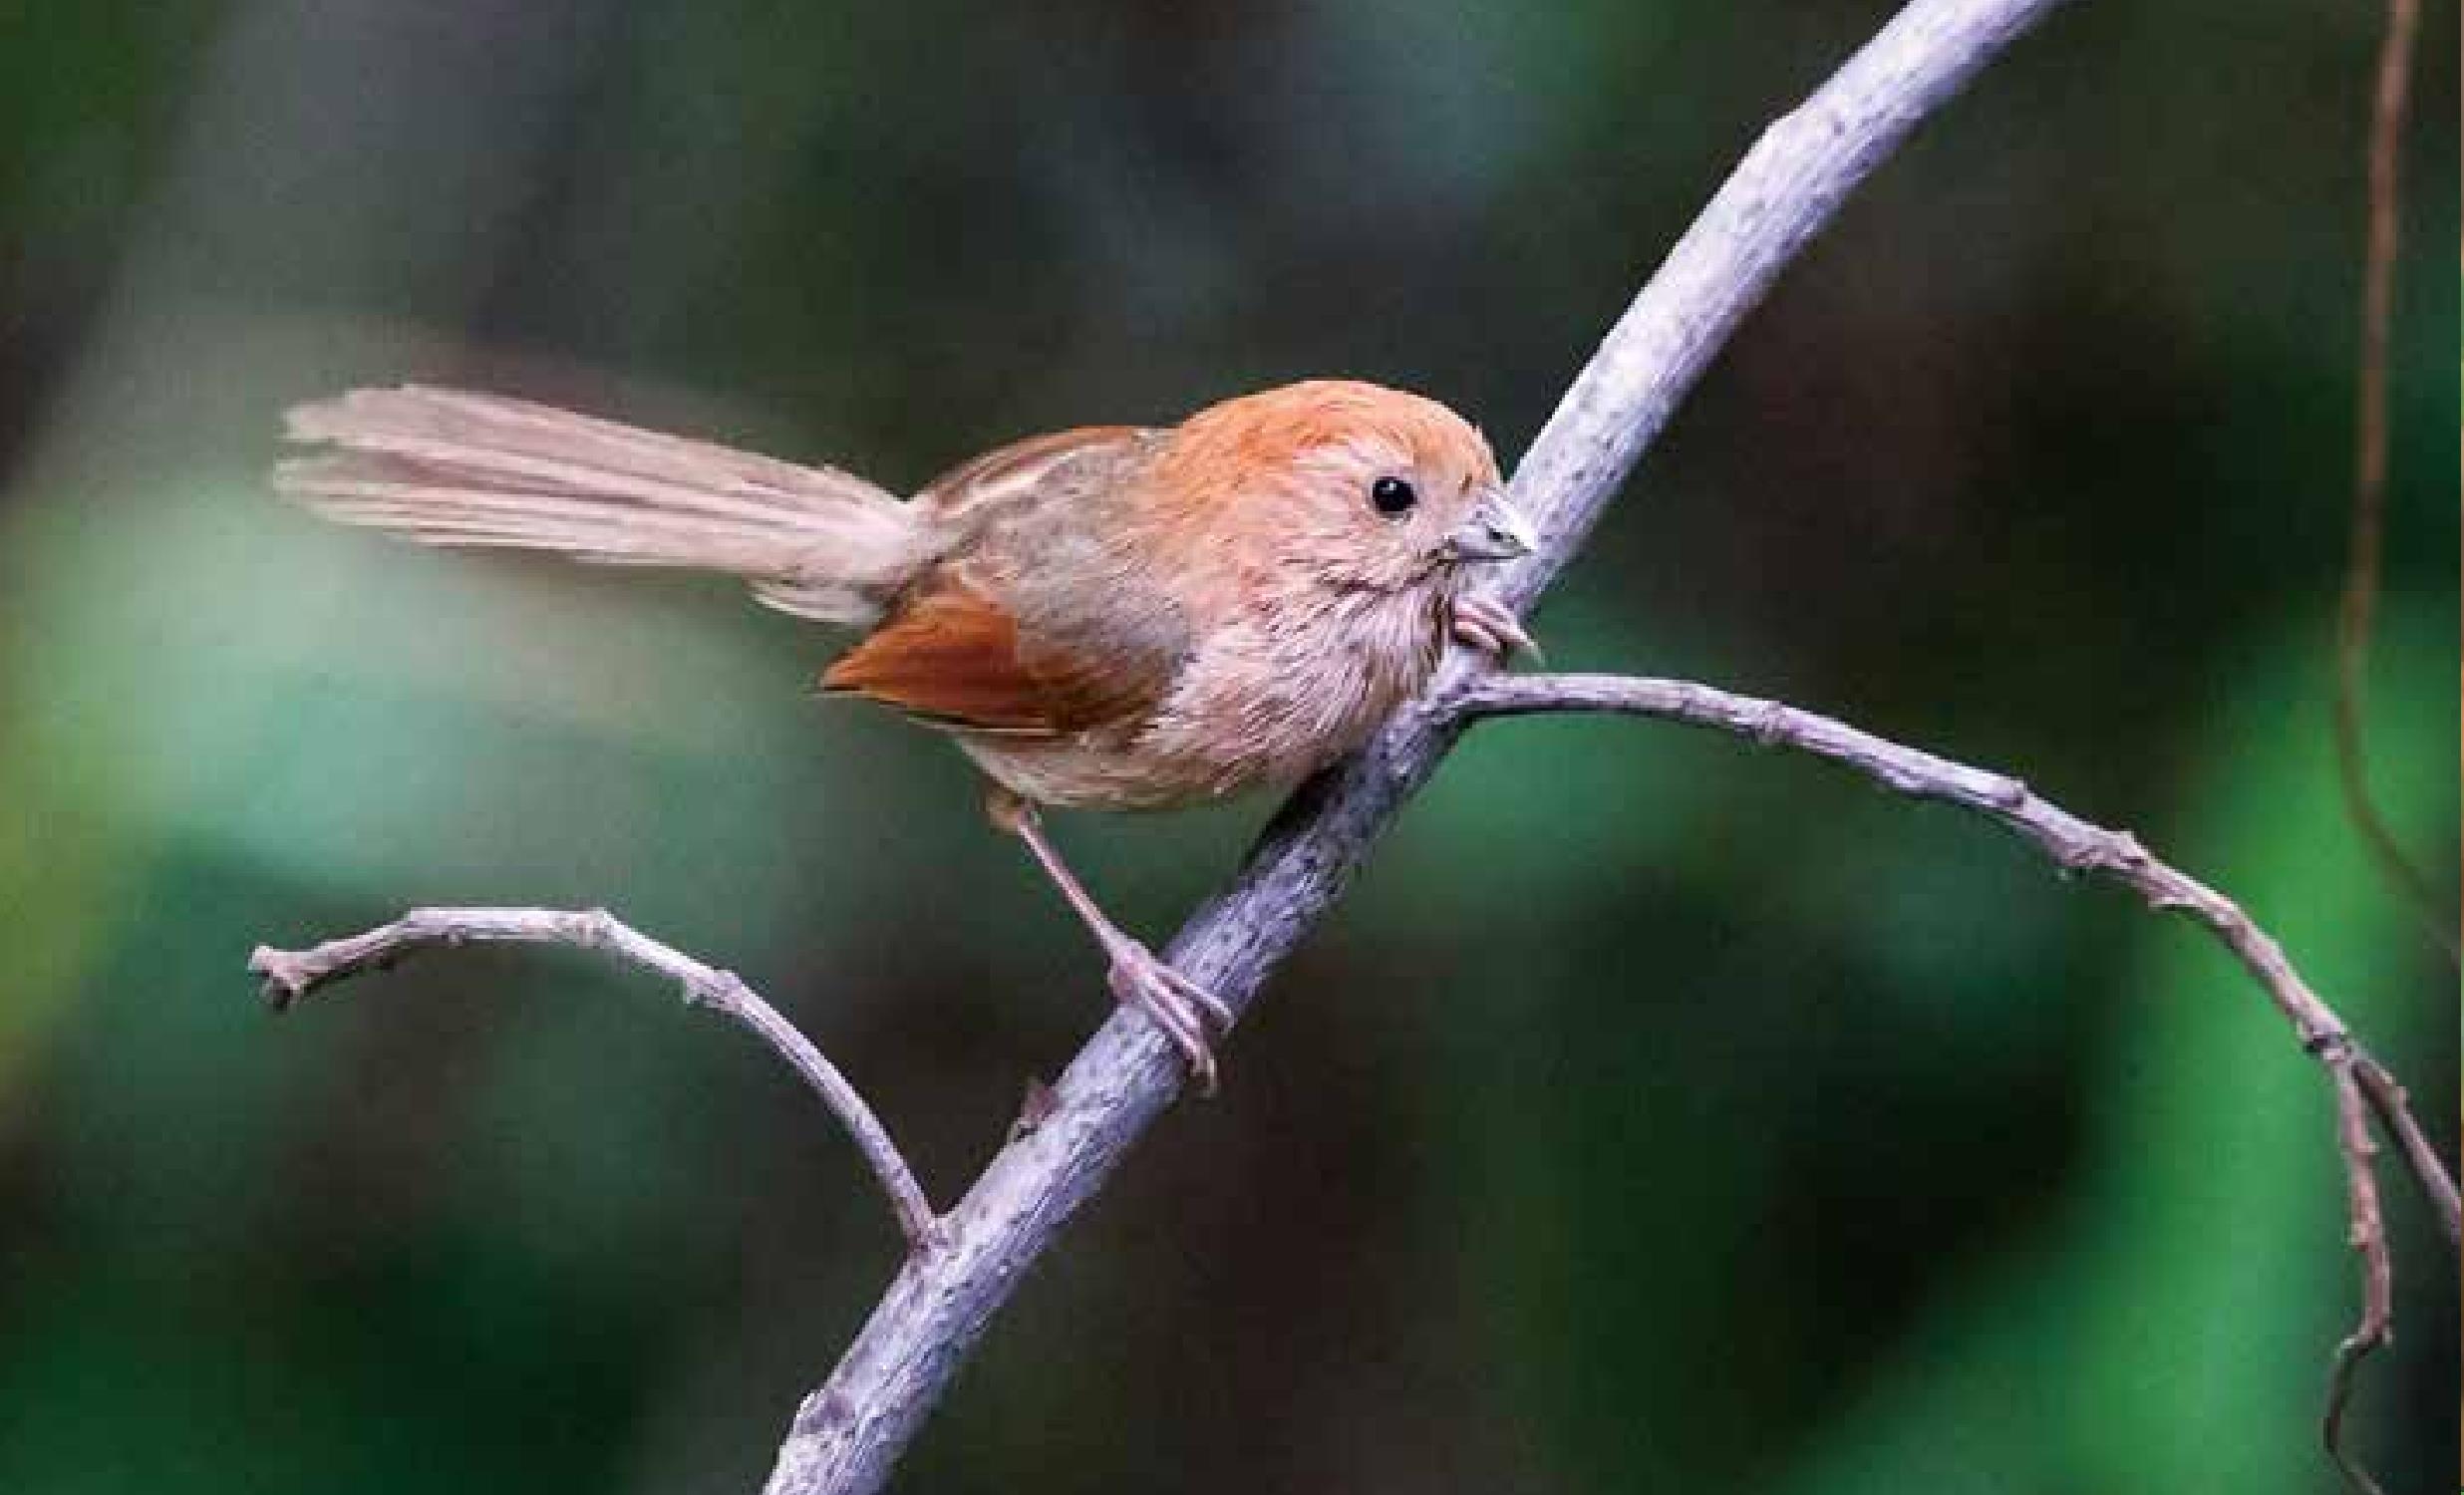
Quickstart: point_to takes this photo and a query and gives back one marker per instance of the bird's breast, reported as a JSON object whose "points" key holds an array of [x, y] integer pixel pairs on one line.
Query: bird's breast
{"points": [[1279, 692], [1267, 697]]}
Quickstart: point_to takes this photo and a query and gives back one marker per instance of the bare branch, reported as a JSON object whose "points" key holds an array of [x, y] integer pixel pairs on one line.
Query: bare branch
{"points": [[2074, 845], [2394, 1110], [2370, 1240], [290, 975], [847, 1434], [2361, 1084]]}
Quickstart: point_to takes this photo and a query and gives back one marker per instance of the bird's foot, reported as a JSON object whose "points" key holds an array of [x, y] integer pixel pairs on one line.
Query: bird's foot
{"points": [[1487, 625], [1173, 1003]]}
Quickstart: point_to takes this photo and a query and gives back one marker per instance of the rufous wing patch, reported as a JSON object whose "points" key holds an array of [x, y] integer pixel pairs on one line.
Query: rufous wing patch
{"points": [[948, 656], [952, 657]]}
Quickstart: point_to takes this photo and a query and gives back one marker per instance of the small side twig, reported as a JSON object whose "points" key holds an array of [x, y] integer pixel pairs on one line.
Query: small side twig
{"points": [[2361, 1084], [2394, 1111], [2369, 1239], [290, 975]]}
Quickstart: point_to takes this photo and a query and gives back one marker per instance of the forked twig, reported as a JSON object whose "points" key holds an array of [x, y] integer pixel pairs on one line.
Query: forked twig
{"points": [[290, 975], [2361, 1084], [2394, 1110], [2369, 1239]]}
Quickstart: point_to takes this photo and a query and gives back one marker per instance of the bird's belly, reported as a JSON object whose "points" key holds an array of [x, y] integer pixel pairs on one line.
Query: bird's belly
{"points": [[1249, 711], [1083, 773]]}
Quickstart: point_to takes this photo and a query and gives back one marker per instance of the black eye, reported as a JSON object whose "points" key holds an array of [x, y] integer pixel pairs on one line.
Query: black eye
{"points": [[1392, 496]]}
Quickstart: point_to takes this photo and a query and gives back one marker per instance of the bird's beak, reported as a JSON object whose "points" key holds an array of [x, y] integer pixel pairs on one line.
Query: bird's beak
{"points": [[1496, 531]]}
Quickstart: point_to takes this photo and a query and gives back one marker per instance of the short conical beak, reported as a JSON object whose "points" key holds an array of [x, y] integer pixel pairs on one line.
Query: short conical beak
{"points": [[1496, 531]]}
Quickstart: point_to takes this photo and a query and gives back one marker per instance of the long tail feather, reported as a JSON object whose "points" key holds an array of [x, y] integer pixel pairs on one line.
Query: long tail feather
{"points": [[453, 468]]}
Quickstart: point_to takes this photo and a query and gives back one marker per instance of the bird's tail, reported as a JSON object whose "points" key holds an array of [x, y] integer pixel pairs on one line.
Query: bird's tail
{"points": [[452, 467]]}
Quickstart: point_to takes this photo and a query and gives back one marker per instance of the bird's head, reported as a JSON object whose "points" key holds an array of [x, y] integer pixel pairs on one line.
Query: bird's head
{"points": [[1350, 485]]}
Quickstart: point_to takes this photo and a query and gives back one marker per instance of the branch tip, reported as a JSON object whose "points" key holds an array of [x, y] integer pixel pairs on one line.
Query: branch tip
{"points": [[289, 975], [280, 982], [2363, 1089], [2367, 1235]]}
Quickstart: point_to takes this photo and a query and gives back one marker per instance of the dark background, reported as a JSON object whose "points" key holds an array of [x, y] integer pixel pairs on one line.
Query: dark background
{"points": [[1656, 1115]]}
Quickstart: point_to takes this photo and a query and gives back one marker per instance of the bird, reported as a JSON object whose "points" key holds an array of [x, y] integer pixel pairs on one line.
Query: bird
{"points": [[1103, 618]]}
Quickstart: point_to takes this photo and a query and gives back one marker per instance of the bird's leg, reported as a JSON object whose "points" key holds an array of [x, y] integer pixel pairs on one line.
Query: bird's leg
{"points": [[1171, 1000], [1487, 625]]}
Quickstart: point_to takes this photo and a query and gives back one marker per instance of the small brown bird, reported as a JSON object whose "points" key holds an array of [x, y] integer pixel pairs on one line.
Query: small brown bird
{"points": [[1110, 618]]}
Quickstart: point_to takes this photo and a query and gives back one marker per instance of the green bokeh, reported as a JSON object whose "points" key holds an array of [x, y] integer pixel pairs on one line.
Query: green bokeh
{"points": [[1657, 1112]]}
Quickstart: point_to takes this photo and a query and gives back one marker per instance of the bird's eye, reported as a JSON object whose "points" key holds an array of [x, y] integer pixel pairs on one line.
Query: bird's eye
{"points": [[1392, 496]]}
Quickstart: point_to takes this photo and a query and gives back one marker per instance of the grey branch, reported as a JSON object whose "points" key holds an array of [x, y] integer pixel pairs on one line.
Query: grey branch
{"points": [[2369, 1239], [2361, 1085], [290, 975], [2073, 844], [847, 1434]]}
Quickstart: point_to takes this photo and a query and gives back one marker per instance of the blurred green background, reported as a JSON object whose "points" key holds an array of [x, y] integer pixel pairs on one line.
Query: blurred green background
{"points": [[1657, 1114]]}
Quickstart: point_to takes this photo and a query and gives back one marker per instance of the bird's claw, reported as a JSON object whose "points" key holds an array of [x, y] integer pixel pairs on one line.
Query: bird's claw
{"points": [[1487, 625], [1181, 1008]]}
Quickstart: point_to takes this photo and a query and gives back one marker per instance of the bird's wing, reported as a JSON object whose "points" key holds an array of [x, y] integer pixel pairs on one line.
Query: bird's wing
{"points": [[1051, 620], [954, 657], [985, 484]]}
